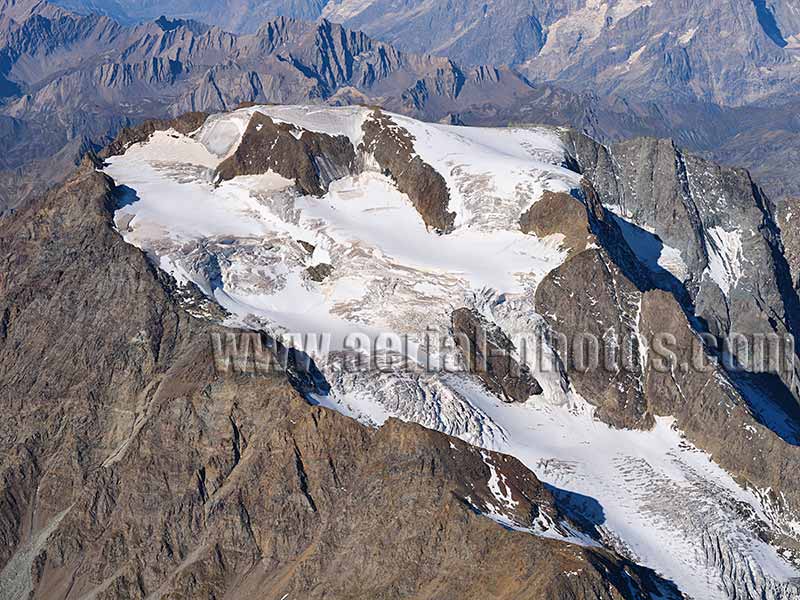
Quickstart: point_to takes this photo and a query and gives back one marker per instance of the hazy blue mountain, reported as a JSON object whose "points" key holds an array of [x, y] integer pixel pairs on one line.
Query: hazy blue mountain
{"points": [[730, 53]]}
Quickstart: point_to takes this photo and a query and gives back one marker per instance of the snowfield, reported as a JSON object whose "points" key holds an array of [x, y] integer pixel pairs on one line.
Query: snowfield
{"points": [[247, 244]]}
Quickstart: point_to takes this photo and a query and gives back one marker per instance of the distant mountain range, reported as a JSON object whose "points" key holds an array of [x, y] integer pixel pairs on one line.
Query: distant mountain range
{"points": [[70, 81], [730, 53]]}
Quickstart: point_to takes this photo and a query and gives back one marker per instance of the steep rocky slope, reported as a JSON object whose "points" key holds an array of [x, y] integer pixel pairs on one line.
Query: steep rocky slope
{"points": [[132, 468], [708, 231], [687, 470]]}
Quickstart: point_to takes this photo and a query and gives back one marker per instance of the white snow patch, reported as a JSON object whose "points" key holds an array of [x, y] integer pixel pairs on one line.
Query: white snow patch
{"points": [[655, 254], [636, 55], [653, 491], [175, 211], [687, 36], [725, 257], [493, 174]]}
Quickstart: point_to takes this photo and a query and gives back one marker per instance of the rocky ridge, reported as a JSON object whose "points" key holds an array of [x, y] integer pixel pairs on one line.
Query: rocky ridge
{"points": [[392, 147], [312, 160]]}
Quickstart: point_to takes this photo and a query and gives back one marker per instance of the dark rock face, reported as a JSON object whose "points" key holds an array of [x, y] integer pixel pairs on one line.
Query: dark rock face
{"points": [[604, 289], [319, 272], [589, 298], [488, 352], [313, 160], [592, 304], [736, 276], [393, 149], [790, 236], [661, 375], [130, 466]]}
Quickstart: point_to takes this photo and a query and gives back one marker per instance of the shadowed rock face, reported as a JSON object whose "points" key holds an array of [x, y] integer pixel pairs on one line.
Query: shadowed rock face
{"points": [[790, 236], [487, 352], [735, 274], [393, 149], [594, 295], [608, 289], [130, 467], [313, 160]]}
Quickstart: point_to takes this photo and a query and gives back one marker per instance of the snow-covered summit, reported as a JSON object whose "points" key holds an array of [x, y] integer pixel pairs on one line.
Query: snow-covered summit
{"points": [[360, 256]]}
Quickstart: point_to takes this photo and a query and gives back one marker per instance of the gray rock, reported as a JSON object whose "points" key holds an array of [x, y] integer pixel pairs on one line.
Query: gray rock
{"points": [[736, 278]]}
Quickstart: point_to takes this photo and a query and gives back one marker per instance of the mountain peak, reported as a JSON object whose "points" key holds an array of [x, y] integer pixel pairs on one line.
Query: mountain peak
{"points": [[168, 24]]}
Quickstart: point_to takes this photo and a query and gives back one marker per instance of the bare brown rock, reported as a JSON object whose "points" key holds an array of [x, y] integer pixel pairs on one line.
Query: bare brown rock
{"points": [[488, 353], [393, 149], [319, 272], [558, 213], [311, 159], [594, 308]]}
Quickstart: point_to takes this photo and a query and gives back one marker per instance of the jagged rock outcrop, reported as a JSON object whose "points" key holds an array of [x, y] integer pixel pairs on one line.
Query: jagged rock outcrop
{"points": [[132, 467], [313, 160], [592, 304], [729, 253], [656, 364], [489, 353], [670, 50], [392, 147]]}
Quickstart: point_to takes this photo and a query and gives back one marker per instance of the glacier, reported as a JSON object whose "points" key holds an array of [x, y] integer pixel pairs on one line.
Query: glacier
{"points": [[245, 243]]}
